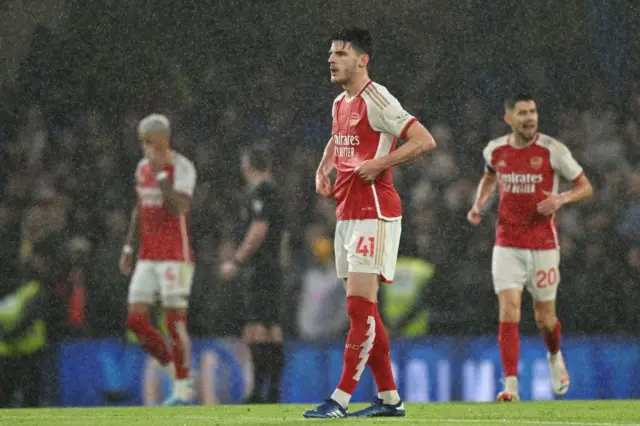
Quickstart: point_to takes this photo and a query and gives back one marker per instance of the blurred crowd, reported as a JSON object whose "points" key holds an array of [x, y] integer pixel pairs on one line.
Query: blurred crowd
{"points": [[68, 150]]}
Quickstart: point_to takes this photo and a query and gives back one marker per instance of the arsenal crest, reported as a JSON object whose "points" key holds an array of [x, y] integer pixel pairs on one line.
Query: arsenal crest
{"points": [[354, 120], [535, 162]]}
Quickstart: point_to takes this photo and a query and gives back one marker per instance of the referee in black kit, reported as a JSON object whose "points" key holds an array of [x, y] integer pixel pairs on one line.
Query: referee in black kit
{"points": [[257, 262]]}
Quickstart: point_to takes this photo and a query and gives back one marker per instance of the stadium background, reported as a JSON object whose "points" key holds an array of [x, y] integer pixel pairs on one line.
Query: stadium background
{"points": [[76, 77]]}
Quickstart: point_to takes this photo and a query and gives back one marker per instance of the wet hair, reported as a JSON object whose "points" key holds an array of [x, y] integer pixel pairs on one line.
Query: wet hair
{"points": [[360, 39], [510, 102], [154, 123], [259, 157]]}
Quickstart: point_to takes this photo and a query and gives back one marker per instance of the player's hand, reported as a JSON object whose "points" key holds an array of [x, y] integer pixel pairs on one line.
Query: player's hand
{"points": [[369, 169], [229, 270], [126, 263], [474, 216], [323, 185], [551, 204]]}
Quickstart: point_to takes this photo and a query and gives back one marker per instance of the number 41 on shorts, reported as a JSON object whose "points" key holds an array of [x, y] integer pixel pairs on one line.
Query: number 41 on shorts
{"points": [[366, 246]]}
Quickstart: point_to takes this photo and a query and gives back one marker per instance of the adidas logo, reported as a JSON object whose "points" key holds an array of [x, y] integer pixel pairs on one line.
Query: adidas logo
{"points": [[335, 414]]}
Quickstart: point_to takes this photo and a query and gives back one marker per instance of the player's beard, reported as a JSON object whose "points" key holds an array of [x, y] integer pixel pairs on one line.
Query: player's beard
{"points": [[526, 135], [344, 77]]}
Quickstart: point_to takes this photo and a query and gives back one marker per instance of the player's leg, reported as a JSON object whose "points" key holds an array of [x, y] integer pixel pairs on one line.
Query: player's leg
{"points": [[544, 290], [276, 362], [388, 402], [260, 306], [176, 280], [356, 242], [256, 337], [142, 294], [510, 273]]}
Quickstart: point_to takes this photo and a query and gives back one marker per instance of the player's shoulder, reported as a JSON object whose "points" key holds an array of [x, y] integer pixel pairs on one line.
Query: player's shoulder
{"points": [[377, 95], [142, 164], [339, 97], [552, 144], [182, 162], [496, 143]]}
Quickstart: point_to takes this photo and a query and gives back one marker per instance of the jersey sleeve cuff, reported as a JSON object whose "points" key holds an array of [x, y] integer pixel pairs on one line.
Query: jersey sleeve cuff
{"points": [[403, 134], [575, 179]]}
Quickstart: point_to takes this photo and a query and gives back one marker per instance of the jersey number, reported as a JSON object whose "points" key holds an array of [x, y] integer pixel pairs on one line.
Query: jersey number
{"points": [[364, 249], [546, 278]]}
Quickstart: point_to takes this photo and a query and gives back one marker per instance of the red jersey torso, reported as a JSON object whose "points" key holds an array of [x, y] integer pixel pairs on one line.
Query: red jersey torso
{"points": [[163, 236], [524, 175], [366, 127]]}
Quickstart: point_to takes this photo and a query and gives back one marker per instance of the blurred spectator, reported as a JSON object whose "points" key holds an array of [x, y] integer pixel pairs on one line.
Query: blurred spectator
{"points": [[322, 309]]}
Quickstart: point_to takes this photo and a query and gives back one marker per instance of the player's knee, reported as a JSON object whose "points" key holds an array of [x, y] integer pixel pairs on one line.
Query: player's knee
{"points": [[365, 285], [510, 312]]}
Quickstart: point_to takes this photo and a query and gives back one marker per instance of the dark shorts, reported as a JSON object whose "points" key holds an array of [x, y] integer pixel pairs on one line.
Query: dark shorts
{"points": [[262, 295]]}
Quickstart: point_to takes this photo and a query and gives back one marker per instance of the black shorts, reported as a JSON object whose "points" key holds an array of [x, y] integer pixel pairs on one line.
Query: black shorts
{"points": [[262, 295]]}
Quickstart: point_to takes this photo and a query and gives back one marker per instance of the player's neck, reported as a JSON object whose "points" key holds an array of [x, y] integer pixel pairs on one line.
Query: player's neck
{"points": [[166, 155], [519, 141], [354, 87]]}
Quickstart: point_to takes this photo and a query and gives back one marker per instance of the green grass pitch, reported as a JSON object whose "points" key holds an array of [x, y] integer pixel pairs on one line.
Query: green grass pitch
{"points": [[557, 413]]}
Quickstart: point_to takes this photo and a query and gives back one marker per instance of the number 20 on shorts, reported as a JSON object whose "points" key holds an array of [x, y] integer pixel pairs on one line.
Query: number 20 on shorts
{"points": [[546, 279], [366, 246]]}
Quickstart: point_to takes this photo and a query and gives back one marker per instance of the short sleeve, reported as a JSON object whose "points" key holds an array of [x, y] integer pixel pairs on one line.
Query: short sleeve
{"points": [[262, 205], [563, 162], [487, 153], [184, 177], [385, 113]]}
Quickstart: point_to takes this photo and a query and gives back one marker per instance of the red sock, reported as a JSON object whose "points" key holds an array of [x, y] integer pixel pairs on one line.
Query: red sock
{"points": [[360, 341], [150, 338], [380, 360], [509, 342], [552, 338], [181, 344]]}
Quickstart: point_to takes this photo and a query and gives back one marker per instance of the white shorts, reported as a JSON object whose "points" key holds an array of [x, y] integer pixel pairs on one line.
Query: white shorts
{"points": [[537, 270], [369, 246], [170, 280]]}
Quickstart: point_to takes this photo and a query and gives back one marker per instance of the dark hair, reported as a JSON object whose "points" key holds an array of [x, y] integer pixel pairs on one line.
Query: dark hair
{"points": [[360, 39], [510, 103], [259, 157]]}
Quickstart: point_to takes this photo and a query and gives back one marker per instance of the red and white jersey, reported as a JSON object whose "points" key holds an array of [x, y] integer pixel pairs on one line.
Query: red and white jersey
{"points": [[163, 236], [523, 176], [366, 127]]}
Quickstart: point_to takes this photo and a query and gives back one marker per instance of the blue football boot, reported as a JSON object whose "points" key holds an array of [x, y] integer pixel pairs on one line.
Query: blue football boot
{"points": [[329, 409], [380, 409]]}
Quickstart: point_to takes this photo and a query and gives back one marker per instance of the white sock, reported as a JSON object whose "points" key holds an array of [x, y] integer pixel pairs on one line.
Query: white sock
{"points": [[389, 397], [182, 388], [341, 397], [511, 384], [553, 358]]}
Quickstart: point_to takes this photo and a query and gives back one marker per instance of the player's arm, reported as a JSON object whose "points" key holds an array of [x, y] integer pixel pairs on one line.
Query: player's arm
{"points": [[486, 188], [419, 142], [323, 183], [581, 190], [326, 164], [133, 233], [177, 196], [177, 202], [569, 168], [261, 207], [253, 239]]}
